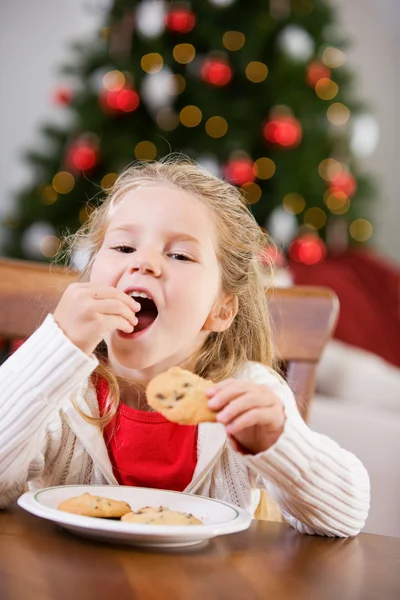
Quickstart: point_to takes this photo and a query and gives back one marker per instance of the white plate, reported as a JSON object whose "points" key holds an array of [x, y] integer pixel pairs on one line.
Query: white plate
{"points": [[219, 518]]}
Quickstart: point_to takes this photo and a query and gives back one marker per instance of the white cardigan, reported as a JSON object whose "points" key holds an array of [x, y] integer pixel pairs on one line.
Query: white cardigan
{"points": [[320, 488]]}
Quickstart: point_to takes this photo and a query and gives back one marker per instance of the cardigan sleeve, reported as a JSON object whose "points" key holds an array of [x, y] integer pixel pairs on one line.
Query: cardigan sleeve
{"points": [[34, 383], [320, 487]]}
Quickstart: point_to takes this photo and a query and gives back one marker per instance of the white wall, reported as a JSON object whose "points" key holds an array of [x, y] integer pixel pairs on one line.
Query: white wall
{"points": [[33, 41]]}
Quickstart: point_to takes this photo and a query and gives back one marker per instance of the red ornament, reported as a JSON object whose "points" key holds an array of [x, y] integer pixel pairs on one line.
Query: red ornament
{"points": [[240, 171], [81, 156], [180, 20], [285, 131], [272, 254], [308, 249], [62, 96], [316, 71], [123, 100], [216, 71], [344, 182]]}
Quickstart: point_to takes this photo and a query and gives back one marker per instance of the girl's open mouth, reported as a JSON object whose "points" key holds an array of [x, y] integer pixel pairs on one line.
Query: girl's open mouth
{"points": [[146, 316]]}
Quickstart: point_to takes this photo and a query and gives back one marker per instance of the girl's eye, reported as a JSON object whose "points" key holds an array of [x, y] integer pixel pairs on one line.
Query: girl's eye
{"points": [[123, 248], [179, 256]]}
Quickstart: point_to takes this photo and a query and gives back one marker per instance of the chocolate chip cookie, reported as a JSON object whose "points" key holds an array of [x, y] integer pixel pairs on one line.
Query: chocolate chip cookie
{"points": [[179, 396]]}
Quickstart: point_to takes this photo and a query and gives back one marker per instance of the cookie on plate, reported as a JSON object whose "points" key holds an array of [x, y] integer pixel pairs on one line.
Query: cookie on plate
{"points": [[88, 505], [160, 516], [179, 396]]}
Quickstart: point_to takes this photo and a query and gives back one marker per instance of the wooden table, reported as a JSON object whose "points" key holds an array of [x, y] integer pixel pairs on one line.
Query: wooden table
{"points": [[39, 561]]}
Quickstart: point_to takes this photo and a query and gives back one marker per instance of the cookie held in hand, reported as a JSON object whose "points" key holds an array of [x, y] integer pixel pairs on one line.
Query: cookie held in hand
{"points": [[88, 505], [179, 396]]}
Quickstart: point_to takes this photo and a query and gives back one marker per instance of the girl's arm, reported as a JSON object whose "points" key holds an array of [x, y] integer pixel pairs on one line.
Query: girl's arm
{"points": [[34, 383], [320, 487]]}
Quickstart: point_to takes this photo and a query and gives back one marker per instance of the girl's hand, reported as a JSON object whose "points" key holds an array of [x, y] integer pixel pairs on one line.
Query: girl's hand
{"points": [[87, 311], [252, 414]]}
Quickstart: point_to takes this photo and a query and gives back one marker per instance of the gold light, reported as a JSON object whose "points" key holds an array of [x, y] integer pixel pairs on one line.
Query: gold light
{"points": [[85, 212], [145, 150], [49, 195], [184, 53], [293, 203], [333, 57], [326, 89], [233, 40], [190, 116], [329, 169], [338, 113], [315, 217], [251, 192], [256, 71], [63, 182], [167, 119], [49, 245], [152, 62], [264, 168], [216, 127], [179, 84], [361, 230], [338, 202], [108, 181], [114, 81]]}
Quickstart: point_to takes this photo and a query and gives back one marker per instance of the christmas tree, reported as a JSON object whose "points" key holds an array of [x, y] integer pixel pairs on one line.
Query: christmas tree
{"points": [[257, 92]]}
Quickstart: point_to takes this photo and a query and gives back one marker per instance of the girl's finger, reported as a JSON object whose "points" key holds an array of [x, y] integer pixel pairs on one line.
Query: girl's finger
{"points": [[104, 292], [118, 308], [256, 416], [242, 404], [229, 392], [217, 387]]}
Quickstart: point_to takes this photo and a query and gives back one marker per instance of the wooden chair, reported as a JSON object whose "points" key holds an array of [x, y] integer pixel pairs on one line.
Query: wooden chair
{"points": [[303, 319]]}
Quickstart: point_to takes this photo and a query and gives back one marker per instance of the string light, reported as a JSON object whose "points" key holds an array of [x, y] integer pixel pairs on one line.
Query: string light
{"points": [[49, 195], [333, 57], [233, 40], [251, 192], [190, 116], [114, 81], [338, 114], [184, 53], [49, 246], [63, 182], [326, 89], [338, 202], [145, 150], [309, 249], [152, 63], [256, 71], [108, 181], [293, 203], [360, 230], [85, 213], [167, 119], [264, 168], [314, 217], [179, 84], [329, 168], [216, 127]]}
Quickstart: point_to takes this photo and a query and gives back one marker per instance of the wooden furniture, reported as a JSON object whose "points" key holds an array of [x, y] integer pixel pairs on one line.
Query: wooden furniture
{"points": [[269, 560]]}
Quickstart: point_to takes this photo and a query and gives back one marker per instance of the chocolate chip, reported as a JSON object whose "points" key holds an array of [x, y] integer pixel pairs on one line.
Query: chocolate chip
{"points": [[187, 384], [160, 396], [179, 397]]}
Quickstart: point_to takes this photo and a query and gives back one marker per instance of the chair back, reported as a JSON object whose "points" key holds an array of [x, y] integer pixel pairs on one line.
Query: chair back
{"points": [[28, 292], [303, 319]]}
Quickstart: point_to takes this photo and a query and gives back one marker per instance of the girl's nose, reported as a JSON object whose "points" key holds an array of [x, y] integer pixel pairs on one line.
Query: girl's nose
{"points": [[145, 263]]}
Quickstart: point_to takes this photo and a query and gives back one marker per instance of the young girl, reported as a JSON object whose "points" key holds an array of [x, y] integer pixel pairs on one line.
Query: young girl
{"points": [[172, 279]]}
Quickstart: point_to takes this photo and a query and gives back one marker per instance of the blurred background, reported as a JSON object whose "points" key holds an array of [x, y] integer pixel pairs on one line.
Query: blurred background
{"points": [[293, 101]]}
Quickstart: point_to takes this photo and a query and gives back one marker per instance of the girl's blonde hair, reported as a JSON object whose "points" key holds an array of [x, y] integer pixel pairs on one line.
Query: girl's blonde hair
{"points": [[241, 245]]}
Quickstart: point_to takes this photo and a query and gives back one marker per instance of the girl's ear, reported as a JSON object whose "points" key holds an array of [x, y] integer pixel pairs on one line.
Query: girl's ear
{"points": [[222, 315]]}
